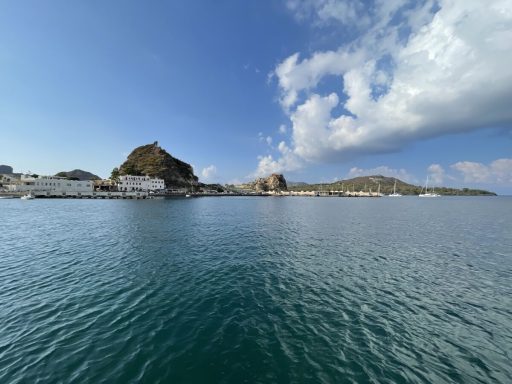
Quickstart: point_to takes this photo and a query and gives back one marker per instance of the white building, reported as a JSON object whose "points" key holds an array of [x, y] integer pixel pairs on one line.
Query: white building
{"points": [[50, 185], [128, 183]]}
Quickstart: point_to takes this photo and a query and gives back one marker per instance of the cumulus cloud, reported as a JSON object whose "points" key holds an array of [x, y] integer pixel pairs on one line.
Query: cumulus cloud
{"points": [[287, 161], [347, 12], [209, 172], [282, 129], [449, 73], [436, 174], [498, 172], [383, 170]]}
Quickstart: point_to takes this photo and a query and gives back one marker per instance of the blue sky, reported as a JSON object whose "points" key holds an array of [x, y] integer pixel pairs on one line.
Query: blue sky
{"points": [[317, 90]]}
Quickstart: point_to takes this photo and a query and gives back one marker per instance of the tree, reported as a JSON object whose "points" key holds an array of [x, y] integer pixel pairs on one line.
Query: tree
{"points": [[114, 176]]}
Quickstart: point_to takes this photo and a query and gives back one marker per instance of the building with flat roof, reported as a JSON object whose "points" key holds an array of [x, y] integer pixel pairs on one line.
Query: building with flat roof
{"points": [[129, 183], [49, 184]]}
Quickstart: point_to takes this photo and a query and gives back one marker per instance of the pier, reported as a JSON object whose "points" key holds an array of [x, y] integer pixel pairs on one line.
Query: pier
{"points": [[82, 195]]}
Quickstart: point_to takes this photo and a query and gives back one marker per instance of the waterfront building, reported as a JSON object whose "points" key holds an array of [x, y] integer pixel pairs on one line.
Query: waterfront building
{"points": [[129, 183], [107, 185], [53, 185]]}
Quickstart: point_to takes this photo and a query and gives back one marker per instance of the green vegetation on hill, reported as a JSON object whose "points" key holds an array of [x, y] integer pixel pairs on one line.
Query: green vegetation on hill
{"points": [[365, 183], [152, 160]]}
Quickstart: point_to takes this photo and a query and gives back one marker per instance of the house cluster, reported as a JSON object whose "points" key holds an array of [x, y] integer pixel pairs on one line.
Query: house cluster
{"points": [[54, 185]]}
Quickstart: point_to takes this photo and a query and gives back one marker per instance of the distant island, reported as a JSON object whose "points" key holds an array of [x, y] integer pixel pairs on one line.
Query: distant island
{"points": [[365, 183], [78, 174], [6, 169]]}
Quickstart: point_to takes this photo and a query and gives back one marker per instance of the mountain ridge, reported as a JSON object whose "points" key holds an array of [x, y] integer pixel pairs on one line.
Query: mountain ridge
{"points": [[372, 182]]}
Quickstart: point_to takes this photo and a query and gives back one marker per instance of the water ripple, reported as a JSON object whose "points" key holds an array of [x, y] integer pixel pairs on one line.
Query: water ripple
{"points": [[256, 290]]}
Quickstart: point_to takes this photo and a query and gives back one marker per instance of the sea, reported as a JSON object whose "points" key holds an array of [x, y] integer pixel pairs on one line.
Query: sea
{"points": [[256, 290]]}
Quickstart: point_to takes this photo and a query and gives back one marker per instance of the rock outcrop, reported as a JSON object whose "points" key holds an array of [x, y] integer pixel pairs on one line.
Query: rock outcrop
{"points": [[78, 174], [274, 183], [152, 160]]}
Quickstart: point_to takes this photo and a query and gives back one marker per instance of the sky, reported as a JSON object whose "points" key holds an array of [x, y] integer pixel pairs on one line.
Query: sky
{"points": [[319, 90]]}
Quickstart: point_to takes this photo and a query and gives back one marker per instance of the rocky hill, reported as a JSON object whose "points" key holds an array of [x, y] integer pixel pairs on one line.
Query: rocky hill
{"points": [[273, 183], [365, 183], [154, 161], [78, 174]]}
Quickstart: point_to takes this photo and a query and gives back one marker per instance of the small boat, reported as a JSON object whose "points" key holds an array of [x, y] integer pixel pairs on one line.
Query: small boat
{"points": [[427, 193], [28, 196], [6, 197], [394, 194], [187, 195]]}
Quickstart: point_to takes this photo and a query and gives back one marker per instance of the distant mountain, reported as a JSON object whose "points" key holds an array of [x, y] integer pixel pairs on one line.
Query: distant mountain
{"points": [[154, 161], [6, 169], [78, 174], [365, 183], [295, 183]]}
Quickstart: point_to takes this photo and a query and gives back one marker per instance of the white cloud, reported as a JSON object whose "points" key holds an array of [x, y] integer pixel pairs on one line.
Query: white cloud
{"points": [[209, 172], [498, 172], [436, 174], [346, 12], [268, 139], [383, 170], [451, 74], [288, 161], [502, 170], [282, 129], [295, 76]]}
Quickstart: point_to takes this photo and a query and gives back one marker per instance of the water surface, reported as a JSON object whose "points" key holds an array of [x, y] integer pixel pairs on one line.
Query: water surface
{"points": [[256, 290]]}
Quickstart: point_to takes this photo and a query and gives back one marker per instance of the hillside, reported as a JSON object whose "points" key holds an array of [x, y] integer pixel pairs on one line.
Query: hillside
{"points": [[365, 183], [6, 169], [79, 175], [154, 161]]}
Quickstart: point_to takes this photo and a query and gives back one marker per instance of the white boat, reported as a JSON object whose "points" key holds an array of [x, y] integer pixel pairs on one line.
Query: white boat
{"points": [[187, 195], [394, 194], [427, 193], [28, 196]]}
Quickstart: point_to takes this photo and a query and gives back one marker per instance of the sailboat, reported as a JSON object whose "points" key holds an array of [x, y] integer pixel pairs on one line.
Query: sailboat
{"points": [[427, 193], [394, 194]]}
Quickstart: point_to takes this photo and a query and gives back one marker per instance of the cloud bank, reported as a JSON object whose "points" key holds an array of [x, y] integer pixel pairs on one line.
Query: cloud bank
{"points": [[497, 172], [419, 70], [209, 173]]}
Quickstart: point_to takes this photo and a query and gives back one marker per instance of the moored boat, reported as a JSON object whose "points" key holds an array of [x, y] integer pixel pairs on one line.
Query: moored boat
{"points": [[28, 196], [394, 194]]}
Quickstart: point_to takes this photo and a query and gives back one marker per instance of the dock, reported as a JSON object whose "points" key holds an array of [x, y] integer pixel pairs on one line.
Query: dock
{"points": [[82, 195]]}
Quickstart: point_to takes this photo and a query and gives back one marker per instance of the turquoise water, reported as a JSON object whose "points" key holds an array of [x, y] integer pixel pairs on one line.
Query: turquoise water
{"points": [[256, 290]]}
